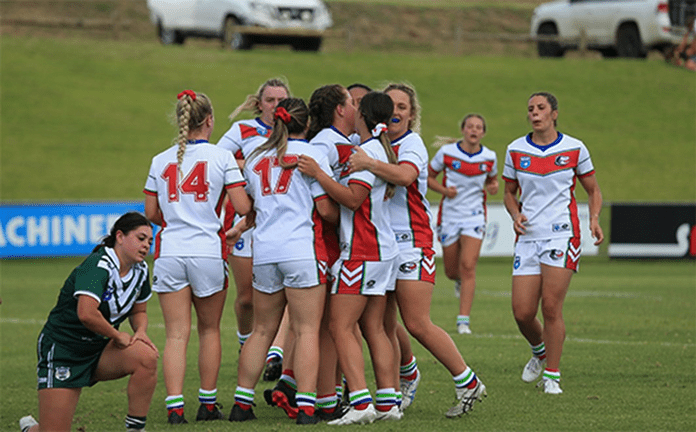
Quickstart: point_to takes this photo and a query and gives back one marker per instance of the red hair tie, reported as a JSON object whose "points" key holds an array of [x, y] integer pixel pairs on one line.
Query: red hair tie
{"points": [[190, 93], [283, 115]]}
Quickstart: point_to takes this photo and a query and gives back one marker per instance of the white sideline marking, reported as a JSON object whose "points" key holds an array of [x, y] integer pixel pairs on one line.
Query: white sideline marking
{"points": [[475, 335], [571, 293]]}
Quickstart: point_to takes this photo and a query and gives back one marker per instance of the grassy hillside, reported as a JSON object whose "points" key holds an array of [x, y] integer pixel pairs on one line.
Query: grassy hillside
{"points": [[81, 119]]}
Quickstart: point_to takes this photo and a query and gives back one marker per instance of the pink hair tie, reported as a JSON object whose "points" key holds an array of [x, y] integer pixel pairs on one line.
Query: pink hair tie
{"points": [[377, 131], [283, 115], [190, 93]]}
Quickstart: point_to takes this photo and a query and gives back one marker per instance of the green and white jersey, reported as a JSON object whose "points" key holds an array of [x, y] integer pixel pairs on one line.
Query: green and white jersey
{"points": [[98, 277]]}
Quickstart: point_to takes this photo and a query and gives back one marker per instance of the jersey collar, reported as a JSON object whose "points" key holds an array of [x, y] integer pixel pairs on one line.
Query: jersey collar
{"points": [[408, 132], [333, 128], [546, 147], [258, 120], [467, 153]]}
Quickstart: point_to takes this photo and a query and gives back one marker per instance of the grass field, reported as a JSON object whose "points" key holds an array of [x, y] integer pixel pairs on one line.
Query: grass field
{"points": [[81, 119], [628, 362]]}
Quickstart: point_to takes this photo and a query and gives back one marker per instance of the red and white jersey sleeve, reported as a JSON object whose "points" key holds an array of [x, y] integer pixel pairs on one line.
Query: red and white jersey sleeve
{"points": [[284, 203], [190, 198], [409, 211], [337, 148], [468, 173], [546, 176], [366, 234], [244, 136]]}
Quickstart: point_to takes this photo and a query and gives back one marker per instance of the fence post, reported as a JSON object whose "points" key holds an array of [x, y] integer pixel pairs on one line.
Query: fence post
{"points": [[583, 42]]}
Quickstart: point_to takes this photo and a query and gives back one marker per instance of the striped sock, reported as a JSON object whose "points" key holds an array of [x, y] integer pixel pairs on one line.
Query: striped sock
{"points": [[552, 374], [328, 402], [174, 402], [289, 378], [274, 352], [465, 379], [409, 370], [242, 337], [135, 422], [207, 397], [539, 350], [462, 319], [305, 402], [360, 399], [385, 399], [399, 398], [339, 392], [244, 397]]}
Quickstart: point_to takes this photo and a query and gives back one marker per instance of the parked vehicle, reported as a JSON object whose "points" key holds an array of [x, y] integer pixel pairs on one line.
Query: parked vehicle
{"points": [[624, 28], [242, 23]]}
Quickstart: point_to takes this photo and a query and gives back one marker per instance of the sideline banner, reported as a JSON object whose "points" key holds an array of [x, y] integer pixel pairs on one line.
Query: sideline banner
{"points": [[73, 229], [58, 229], [500, 238], [653, 231]]}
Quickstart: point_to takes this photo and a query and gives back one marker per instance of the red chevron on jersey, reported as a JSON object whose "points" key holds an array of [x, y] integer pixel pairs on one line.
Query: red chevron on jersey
{"points": [[544, 165], [250, 131], [468, 168], [573, 254], [428, 266], [351, 275]]}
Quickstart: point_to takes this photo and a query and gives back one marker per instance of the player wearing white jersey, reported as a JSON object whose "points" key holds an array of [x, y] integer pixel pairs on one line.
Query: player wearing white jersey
{"points": [[470, 172], [81, 343], [366, 269], [332, 121], [184, 195], [543, 167], [288, 267], [241, 139], [415, 279]]}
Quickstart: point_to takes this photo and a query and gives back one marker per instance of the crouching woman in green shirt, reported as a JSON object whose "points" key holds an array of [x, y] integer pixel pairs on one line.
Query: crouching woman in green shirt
{"points": [[81, 343]]}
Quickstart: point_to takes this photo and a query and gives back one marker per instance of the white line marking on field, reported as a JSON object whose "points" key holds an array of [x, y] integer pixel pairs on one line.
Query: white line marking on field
{"points": [[571, 293], [476, 335]]}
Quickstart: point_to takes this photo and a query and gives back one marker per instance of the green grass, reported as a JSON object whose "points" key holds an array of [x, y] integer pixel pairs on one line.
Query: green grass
{"points": [[81, 119], [628, 362]]}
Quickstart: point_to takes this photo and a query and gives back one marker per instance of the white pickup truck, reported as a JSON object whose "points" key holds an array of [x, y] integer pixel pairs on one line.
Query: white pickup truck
{"points": [[624, 28], [242, 23]]}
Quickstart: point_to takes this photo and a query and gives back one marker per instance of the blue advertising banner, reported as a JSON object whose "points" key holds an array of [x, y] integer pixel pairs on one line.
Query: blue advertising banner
{"points": [[58, 229]]}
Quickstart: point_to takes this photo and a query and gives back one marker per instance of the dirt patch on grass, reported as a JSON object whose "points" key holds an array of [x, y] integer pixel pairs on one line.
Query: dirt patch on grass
{"points": [[466, 29]]}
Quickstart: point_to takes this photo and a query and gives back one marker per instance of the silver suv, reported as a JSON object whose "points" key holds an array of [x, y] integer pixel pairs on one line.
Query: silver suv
{"points": [[624, 28], [242, 23]]}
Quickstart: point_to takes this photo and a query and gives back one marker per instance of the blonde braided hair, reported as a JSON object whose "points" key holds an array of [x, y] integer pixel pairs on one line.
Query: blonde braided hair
{"points": [[191, 111]]}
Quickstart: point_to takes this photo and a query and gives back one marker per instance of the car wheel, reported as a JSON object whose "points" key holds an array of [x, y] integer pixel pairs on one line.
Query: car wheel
{"points": [[628, 43], [232, 38], [169, 36], [307, 44], [548, 48]]}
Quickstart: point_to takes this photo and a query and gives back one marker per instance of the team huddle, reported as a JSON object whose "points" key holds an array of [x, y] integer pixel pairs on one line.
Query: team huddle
{"points": [[319, 210]]}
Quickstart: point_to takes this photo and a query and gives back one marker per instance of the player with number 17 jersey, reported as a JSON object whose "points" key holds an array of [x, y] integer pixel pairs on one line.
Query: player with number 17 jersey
{"points": [[546, 176], [286, 235], [192, 193]]}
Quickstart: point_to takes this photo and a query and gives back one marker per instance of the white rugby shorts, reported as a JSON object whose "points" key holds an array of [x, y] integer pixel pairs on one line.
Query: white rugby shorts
{"points": [[271, 278], [205, 275], [558, 252], [448, 232], [364, 277]]}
